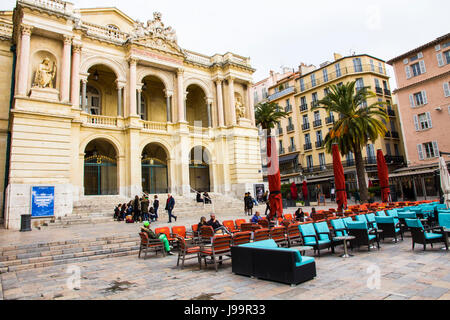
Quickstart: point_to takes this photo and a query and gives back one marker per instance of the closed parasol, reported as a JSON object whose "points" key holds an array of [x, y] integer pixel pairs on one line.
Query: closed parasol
{"points": [[339, 179], [383, 176], [274, 177]]}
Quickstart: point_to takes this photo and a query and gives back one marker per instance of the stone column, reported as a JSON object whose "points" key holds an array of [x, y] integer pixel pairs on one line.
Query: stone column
{"points": [[181, 96], [64, 84], [24, 60], [208, 111], [169, 95], [139, 99], [250, 104], [75, 90], [220, 103], [132, 86], [232, 101], [120, 87], [84, 81]]}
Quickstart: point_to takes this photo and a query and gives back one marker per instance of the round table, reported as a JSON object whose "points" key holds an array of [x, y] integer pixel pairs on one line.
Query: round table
{"points": [[302, 249], [345, 239]]}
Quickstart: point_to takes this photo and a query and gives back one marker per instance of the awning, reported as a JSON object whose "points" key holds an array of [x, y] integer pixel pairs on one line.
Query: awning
{"points": [[288, 158], [320, 179], [411, 173]]}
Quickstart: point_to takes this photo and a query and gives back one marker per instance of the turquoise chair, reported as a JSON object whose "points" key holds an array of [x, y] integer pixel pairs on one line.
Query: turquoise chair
{"points": [[325, 233], [339, 227], [425, 236], [311, 239], [371, 220], [390, 226], [381, 214], [346, 220], [444, 219], [363, 235], [392, 213], [402, 216]]}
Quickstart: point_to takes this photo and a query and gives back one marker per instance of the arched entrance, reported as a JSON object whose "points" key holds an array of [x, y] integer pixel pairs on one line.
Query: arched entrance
{"points": [[199, 173], [154, 170], [100, 169]]}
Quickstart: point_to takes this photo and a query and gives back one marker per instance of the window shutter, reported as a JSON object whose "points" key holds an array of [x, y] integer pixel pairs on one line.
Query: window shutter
{"points": [[416, 123], [438, 47], [422, 66], [430, 123], [420, 150], [440, 59], [424, 97], [408, 72], [446, 89], [411, 101], [420, 55], [436, 149]]}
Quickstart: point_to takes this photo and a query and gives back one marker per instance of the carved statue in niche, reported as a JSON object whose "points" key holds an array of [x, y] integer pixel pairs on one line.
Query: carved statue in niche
{"points": [[45, 74], [240, 109]]}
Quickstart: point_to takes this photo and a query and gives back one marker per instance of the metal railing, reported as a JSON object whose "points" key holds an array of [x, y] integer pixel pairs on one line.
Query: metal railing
{"points": [[378, 90], [292, 148], [281, 93], [320, 144], [304, 107], [305, 126], [290, 128], [343, 71], [317, 123], [329, 120], [307, 146]]}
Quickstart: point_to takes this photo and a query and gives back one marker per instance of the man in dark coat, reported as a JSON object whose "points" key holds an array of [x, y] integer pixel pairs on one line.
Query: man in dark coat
{"points": [[170, 204]]}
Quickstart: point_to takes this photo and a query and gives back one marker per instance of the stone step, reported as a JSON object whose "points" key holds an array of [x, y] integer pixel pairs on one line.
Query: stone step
{"points": [[114, 254]]}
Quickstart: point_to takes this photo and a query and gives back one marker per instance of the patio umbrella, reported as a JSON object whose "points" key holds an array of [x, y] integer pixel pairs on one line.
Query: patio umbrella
{"points": [[383, 176], [339, 179], [294, 191], [273, 168], [305, 193], [445, 180]]}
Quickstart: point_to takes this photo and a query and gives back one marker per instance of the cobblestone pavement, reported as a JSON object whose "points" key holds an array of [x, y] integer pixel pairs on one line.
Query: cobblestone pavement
{"points": [[404, 274]]}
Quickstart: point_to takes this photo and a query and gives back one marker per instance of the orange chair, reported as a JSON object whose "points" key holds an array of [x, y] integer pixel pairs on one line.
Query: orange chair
{"points": [[186, 251], [288, 217], [220, 247], [147, 244], [250, 227], [241, 238], [278, 234], [261, 235], [293, 235], [239, 222], [181, 231], [264, 223], [206, 234], [166, 231], [195, 233], [229, 224]]}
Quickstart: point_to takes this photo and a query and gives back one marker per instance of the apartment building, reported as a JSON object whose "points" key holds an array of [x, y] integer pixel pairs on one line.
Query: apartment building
{"points": [[302, 133], [423, 76]]}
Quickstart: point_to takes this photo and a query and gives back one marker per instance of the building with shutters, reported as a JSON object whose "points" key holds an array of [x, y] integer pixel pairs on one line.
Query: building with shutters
{"points": [[301, 134], [423, 94], [96, 104]]}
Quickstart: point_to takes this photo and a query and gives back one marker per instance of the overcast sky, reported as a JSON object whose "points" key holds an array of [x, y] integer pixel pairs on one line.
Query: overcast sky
{"points": [[275, 33]]}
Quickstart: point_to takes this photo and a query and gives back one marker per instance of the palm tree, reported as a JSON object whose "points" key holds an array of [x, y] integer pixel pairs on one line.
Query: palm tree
{"points": [[357, 124], [267, 115]]}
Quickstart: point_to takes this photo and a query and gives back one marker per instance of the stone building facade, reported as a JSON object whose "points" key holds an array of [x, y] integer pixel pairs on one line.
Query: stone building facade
{"points": [[95, 103]]}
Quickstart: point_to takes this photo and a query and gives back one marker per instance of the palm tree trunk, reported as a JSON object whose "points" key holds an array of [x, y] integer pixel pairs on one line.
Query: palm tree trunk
{"points": [[361, 174]]}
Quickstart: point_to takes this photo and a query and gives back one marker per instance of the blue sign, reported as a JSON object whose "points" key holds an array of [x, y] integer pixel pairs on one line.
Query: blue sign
{"points": [[42, 201]]}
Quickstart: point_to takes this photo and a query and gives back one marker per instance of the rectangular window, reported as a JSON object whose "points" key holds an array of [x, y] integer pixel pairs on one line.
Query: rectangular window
{"points": [[380, 67], [446, 89], [302, 85], [359, 84], [322, 161], [325, 75], [420, 98], [315, 97], [397, 152], [319, 136], [416, 70], [326, 91], [357, 64], [372, 66], [305, 119], [388, 149], [429, 151], [377, 83], [307, 138], [309, 161], [337, 66], [316, 115], [292, 143], [313, 80], [447, 57], [290, 121]]}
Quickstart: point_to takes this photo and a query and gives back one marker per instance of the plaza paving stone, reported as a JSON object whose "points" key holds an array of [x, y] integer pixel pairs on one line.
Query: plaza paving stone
{"points": [[404, 274]]}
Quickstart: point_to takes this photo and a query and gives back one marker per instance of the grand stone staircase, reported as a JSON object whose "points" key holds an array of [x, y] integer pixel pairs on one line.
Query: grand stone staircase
{"points": [[94, 210]]}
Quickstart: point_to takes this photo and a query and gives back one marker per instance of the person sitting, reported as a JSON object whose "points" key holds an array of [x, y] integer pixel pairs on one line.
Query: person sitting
{"points": [[199, 197], [217, 226], [152, 215], [257, 217], [117, 212], [123, 208], [160, 236], [207, 198], [299, 215], [202, 223]]}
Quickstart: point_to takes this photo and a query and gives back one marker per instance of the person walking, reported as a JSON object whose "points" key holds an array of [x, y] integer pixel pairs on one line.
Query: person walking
{"points": [[156, 207], [170, 205], [266, 201], [248, 204], [145, 203], [333, 194]]}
